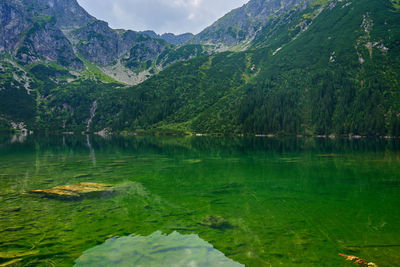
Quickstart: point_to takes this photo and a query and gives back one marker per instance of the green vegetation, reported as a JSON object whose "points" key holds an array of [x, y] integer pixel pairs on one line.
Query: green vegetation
{"points": [[184, 52], [4, 125], [54, 99], [15, 102], [318, 71], [94, 73], [396, 4], [67, 108], [316, 84], [44, 19]]}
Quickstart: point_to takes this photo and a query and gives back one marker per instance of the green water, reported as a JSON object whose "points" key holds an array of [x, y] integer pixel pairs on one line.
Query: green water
{"points": [[287, 202]]}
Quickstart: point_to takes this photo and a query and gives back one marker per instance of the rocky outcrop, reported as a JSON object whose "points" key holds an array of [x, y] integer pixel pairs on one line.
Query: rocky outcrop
{"points": [[146, 49], [45, 42], [103, 45], [17, 16], [97, 42], [31, 30], [242, 24], [12, 24], [170, 37], [60, 30], [176, 39], [69, 13]]}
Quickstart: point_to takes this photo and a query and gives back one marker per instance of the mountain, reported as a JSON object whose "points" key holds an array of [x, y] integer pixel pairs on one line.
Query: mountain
{"points": [[61, 31], [47, 46], [243, 24], [327, 67], [170, 37], [314, 67], [32, 36]]}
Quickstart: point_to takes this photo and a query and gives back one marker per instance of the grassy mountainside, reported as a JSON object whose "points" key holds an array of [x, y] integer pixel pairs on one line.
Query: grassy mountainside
{"points": [[338, 74], [326, 67], [47, 97]]}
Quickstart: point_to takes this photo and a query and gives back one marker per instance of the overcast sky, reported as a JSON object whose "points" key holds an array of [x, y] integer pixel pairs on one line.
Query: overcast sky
{"points": [[176, 16]]}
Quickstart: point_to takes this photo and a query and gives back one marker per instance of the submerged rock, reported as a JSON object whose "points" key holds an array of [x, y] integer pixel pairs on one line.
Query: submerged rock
{"points": [[74, 191], [216, 222], [13, 209]]}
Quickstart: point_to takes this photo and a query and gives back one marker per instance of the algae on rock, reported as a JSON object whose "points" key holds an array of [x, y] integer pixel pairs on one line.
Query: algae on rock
{"points": [[74, 191]]}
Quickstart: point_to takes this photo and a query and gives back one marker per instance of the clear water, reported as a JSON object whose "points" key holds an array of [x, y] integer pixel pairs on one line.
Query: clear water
{"points": [[287, 202]]}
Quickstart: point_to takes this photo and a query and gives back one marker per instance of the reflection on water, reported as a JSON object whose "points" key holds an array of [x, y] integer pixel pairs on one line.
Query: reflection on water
{"points": [[156, 250], [258, 201], [20, 138], [92, 153]]}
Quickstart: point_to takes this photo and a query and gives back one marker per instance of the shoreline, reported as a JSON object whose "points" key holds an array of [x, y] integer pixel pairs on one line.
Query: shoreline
{"points": [[175, 134]]}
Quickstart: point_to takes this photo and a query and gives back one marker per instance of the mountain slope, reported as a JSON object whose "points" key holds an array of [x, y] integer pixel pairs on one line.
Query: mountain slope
{"points": [[243, 24], [61, 31], [319, 67], [170, 37], [32, 37], [49, 48], [338, 74]]}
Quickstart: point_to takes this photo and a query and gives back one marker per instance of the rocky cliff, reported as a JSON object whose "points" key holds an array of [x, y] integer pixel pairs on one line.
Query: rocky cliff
{"points": [[61, 31], [243, 24], [32, 30], [170, 37]]}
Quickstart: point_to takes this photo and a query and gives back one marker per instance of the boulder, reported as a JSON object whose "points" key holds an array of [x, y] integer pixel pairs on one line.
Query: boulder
{"points": [[215, 221], [74, 191]]}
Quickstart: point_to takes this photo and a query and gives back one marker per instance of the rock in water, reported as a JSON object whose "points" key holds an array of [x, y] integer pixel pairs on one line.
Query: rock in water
{"points": [[216, 222], [74, 191]]}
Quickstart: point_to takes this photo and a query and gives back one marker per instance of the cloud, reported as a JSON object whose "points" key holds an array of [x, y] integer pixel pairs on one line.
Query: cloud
{"points": [[177, 16]]}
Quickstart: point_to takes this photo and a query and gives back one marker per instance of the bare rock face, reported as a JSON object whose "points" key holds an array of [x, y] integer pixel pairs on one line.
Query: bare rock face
{"points": [[170, 37], [51, 30], [243, 23], [98, 43], [145, 48], [45, 42], [31, 30], [11, 26], [176, 39], [69, 13]]}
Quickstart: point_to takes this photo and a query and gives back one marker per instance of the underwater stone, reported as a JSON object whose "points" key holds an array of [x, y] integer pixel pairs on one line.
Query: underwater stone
{"points": [[74, 191], [217, 222], [13, 209]]}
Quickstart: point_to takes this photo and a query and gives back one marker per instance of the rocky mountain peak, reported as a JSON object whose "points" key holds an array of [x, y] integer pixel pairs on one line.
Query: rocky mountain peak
{"points": [[69, 13], [170, 37], [243, 23]]}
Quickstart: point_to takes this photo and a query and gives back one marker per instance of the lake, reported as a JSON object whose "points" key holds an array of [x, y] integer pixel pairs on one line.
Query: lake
{"points": [[201, 201]]}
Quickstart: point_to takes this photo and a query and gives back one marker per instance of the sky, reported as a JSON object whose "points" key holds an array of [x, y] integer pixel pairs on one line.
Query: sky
{"points": [[161, 16]]}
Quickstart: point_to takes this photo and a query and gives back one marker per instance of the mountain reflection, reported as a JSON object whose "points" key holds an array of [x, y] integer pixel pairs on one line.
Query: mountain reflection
{"points": [[155, 250]]}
